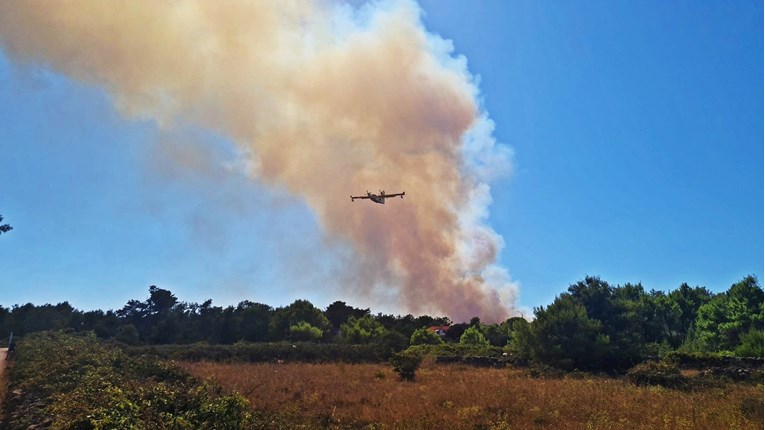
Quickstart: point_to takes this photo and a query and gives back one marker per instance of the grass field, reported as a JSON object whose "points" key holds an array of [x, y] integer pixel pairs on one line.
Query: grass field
{"points": [[459, 397]]}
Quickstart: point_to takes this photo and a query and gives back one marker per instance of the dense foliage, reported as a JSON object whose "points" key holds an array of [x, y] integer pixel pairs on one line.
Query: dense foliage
{"points": [[4, 228], [596, 326], [260, 352], [591, 326], [74, 381]]}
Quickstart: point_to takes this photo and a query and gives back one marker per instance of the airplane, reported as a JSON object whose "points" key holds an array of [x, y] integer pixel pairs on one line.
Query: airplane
{"points": [[379, 198]]}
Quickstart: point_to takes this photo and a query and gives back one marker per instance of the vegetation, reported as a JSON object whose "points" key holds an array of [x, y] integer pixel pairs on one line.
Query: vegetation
{"points": [[305, 352], [665, 374], [406, 363], [4, 228], [592, 326], [74, 381], [423, 336], [473, 336], [595, 326], [300, 366], [371, 396], [363, 330]]}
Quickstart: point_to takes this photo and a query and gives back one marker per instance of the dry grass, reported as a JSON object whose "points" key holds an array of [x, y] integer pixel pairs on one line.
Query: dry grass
{"points": [[455, 397]]}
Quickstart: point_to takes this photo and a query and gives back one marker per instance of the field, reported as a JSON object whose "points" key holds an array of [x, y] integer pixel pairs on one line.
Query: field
{"points": [[460, 397]]}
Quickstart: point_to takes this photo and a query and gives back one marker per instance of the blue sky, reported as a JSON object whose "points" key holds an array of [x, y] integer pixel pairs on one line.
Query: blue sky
{"points": [[636, 128]]}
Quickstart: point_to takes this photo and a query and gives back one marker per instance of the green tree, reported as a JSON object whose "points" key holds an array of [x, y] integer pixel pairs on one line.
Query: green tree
{"points": [[564, 336], [750, 344], [520, 338], [623, 315], [473, 336], [253, 319], [721, 323], [303, 331], [362, 330], [684, 303], [455, 332], [127, 334], [4, 228], [423, 336], [496, 334], [338, 313], [406, 363], [299, 311]]}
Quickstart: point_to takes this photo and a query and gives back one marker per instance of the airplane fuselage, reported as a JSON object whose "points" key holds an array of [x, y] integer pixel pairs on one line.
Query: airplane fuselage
{"points": [[379, 198]]}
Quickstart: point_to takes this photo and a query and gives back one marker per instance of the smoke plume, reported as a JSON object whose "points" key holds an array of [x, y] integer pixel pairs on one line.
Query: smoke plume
{"points": [[325, 100]]}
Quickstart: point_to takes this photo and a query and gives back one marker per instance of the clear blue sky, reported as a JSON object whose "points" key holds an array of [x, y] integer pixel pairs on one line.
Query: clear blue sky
{"points": [[637, 129]]}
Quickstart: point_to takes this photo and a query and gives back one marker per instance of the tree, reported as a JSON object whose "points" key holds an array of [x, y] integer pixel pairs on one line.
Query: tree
{"points": [[726, 318], [622, 315], [455, 331], [4, 228], [473, 336], [303, 331], [564, 336], [496, 334], [685, 302], [253, 320], [127, 334], [362, 330], [423, 336], [406, 363], [750, 344], [520, 338], [338, 313], [160, 301], [299, 311]]}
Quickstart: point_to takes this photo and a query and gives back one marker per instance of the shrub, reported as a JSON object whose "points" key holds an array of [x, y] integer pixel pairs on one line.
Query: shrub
{"points": [[406, 363], [473, 336], [542, 371], [362, 330], [662, 373], [304, 331], [423, 336], [74, 381], [308, 352], [750, 344]]}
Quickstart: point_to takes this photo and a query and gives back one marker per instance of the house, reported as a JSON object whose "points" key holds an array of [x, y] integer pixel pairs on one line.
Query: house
{"points": [[439, 329]]}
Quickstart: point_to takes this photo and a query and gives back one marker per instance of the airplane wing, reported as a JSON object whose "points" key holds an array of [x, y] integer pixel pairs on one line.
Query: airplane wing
{"points": [[395, 195], [359, 197]]}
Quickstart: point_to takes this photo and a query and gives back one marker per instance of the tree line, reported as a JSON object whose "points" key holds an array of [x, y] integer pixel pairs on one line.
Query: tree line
{"points": [[590, 326]]}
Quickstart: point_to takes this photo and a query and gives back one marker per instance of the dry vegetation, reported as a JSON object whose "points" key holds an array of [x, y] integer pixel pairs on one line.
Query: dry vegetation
{"points": [[458, 397], [3, 364]]}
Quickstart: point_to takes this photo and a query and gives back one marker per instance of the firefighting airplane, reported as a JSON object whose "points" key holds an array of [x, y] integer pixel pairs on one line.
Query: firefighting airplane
{"points": [[379, 198]]}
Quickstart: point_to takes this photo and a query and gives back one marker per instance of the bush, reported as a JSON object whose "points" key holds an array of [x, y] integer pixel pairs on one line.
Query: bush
{"points": [[473, 336], [660, 373], [406, 363], [304, 331], [458, 350], [362, 330], [750, 344], [542, 371], [423, 336], [74, 381], [702, 360], [307, 352]]}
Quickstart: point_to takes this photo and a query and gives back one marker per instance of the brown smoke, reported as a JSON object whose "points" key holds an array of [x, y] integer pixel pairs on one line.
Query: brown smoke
{"points": [[326, 100]]}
